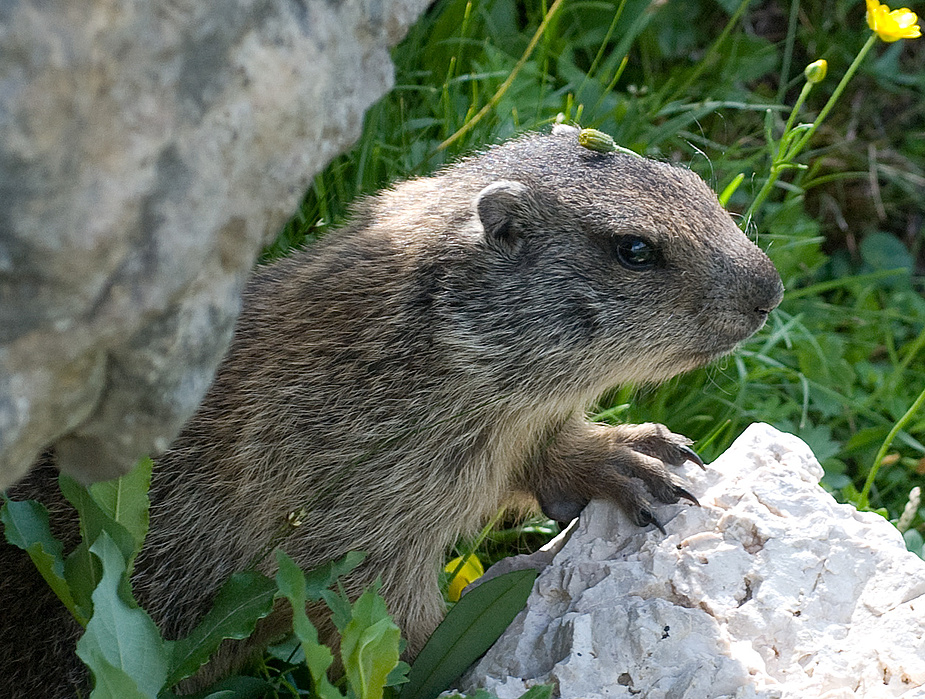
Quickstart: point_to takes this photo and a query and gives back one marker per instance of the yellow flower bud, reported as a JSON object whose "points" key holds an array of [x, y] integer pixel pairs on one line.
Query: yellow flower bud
{"points": [[815, 71], [595, 140], [892, 25], [600, 142], [471, 570]]}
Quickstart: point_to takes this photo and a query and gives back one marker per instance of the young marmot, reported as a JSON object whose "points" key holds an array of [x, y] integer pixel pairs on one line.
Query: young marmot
{"points": [[404, 378]]}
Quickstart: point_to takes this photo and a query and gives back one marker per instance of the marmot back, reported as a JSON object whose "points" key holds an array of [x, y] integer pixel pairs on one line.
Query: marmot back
{"points": [[411, 373]]}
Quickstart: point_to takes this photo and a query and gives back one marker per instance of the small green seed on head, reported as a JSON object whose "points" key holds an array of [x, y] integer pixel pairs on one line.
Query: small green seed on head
{"points": [[595, 140], [600, 142]]}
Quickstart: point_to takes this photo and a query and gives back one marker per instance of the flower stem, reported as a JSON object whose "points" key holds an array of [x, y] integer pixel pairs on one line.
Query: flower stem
{"points": [[843, 83], [784, 160], [778, 164], [807, 87], [865, 492]]}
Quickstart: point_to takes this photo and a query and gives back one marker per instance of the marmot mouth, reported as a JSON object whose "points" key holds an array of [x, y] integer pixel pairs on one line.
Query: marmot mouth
{"points": [[717, 348]]}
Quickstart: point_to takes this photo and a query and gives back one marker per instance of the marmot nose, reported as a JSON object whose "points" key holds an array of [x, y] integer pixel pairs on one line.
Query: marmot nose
{"points": [[763, 291], [769, 296], [768, 290], [751, 289]]}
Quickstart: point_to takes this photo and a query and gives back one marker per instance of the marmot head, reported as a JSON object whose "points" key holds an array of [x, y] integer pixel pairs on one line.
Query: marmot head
{"points": [[594, 268]]}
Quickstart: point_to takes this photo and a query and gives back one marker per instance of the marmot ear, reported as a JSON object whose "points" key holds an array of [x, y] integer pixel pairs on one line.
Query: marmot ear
{"points": [[499, 206]]}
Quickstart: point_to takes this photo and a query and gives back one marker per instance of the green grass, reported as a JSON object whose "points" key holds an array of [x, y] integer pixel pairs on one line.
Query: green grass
{"points": [[700, 83]]}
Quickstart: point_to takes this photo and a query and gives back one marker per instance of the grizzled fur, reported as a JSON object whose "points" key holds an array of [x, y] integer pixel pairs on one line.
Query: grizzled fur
{"points": [[411, 373]]}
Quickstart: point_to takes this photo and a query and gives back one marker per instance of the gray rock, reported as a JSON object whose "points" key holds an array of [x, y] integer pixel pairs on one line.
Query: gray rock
{"points": [[148, 149], [771, 589]]}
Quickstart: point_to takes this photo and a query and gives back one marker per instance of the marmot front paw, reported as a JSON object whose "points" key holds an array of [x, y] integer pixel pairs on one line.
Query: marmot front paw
{"points": [[633, 472], [641, 455]]}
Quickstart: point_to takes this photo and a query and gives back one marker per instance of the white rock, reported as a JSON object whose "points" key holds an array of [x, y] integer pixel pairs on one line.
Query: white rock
{"points": [[770, 589]]}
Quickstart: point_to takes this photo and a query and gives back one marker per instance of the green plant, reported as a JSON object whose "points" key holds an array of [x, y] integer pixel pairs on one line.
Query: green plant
{"points": [[468, 630], [122, 646], [129, 658]]}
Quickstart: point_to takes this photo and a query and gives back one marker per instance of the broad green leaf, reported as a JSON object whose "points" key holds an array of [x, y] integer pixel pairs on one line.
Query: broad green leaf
{"points": [[291, 583], [25, 525], [82, 571], [369, 646], [236, 687], [468, 630], [319, 580], [93, 520], [914, 542], [120, 636], [111, 682], [340, 608], [288, 651], [244, 599], [121, 501], [125, 499], [885, 251]]}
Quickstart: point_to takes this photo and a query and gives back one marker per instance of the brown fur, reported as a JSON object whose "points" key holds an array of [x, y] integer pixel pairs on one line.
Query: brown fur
{"points": [[411, 373]]}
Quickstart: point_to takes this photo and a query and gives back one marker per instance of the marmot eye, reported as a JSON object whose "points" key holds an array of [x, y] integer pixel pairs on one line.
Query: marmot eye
{"points": [[635, 253]]}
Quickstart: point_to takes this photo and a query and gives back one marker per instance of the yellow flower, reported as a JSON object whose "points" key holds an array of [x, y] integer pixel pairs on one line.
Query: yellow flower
{"points": [[892, 25], [472, 570]]}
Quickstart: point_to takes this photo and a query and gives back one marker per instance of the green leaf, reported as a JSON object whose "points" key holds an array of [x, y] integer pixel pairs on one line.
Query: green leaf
{"points": [[25, 525], [398, 675], [789, 141], [125, 499], [237, 687], [288, 651], [885, 251], [369, 646], [111, 682], [82, 571], [730, 189], [94, 520], [914, 542], [121, 643], [468, 630], [541, 691], [242, 600], [340, 608], [320, 579], [291, 583]]}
